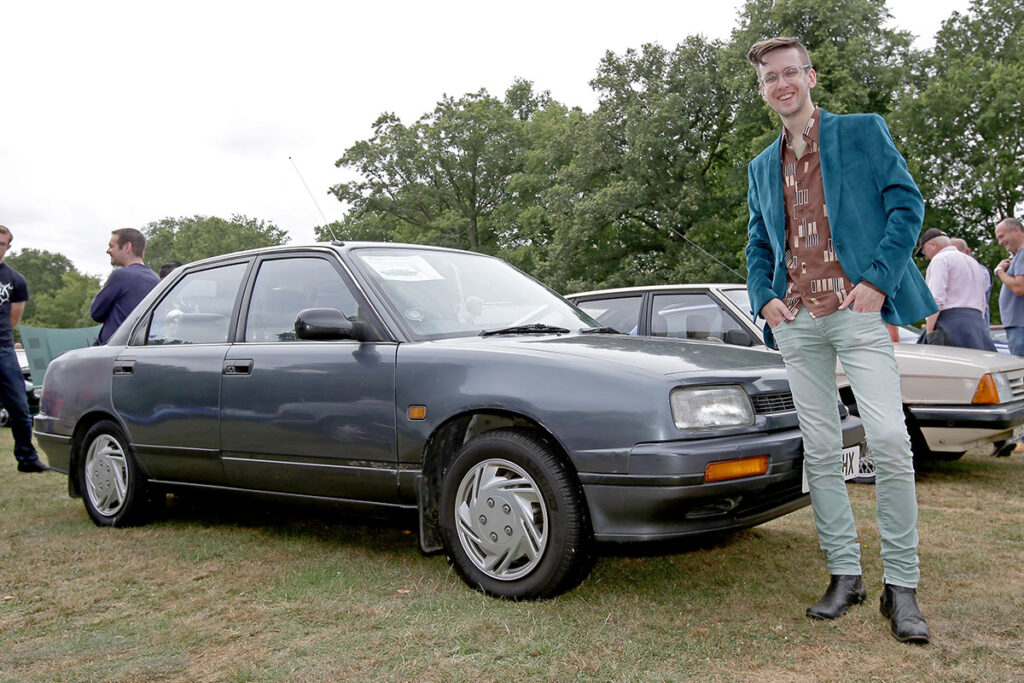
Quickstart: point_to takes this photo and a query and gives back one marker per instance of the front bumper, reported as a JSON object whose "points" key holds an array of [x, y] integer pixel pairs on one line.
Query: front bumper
{"points": [[962, 427], [664, 495]]}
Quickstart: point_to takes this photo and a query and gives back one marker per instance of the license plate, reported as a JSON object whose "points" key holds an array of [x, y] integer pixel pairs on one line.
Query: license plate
{"points": [[1018, 432], [851, 466]]}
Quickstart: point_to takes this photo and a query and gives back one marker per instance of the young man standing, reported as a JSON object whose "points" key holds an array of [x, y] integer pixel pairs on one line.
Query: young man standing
{"points": [[826, 281], [126, 287], [13, 295]]}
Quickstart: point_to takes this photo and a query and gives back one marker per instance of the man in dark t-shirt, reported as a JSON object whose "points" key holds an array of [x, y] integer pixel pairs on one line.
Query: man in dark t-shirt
{"points": [[125, 287], [13, 295]]}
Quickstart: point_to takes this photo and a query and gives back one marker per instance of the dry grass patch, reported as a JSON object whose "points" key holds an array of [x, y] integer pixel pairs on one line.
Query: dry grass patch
{"points": [[237, 589]]}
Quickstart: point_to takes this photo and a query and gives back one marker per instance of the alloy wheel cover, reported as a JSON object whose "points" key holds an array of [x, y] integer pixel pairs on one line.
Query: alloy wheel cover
{"points": [[501, 519]]}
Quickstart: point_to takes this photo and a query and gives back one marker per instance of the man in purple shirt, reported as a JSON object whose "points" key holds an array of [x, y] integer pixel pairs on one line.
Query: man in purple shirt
{"points": [[125, 287], [959, 285]]}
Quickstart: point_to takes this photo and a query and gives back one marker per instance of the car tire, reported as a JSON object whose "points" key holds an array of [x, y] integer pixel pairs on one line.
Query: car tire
{"points": [[112, 487], [513, 518]]}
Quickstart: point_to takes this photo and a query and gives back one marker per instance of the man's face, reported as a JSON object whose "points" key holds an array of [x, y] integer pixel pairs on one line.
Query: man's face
{"points": [[787, 96], [1010, 238], [118, 254], [930, 248], [5, 245]]}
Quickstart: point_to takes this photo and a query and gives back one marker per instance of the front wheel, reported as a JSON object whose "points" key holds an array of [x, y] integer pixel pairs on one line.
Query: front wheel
{"points": [[513, 518], [111, 485]]}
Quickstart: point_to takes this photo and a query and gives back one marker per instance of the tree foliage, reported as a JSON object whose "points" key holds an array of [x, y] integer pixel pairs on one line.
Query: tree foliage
{"points": [[651, 186], [199, 237], [59, 296], [66, 306], [965, 121], [444, 179]]}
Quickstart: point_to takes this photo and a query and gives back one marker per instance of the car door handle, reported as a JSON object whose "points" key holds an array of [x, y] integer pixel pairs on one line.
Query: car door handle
{"points": [[124, 367], [238, 367]]}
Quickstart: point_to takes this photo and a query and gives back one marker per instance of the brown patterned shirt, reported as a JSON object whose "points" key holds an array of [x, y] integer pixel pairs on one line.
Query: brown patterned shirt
{"points": [[816, 280]]}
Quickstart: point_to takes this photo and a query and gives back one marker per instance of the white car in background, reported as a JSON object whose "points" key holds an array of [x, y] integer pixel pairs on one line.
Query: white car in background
{"points": [[954, 399]]}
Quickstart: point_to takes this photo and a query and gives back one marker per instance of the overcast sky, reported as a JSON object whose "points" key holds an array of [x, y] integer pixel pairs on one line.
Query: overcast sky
{"points": [[117, 114]]}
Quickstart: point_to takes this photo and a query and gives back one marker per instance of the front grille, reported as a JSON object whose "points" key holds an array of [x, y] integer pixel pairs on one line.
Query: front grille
{"points": [[774, 402], [1017, 386]]}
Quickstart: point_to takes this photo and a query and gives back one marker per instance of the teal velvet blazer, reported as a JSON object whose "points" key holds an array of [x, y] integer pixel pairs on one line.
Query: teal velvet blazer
{"points": [[875, 212]]}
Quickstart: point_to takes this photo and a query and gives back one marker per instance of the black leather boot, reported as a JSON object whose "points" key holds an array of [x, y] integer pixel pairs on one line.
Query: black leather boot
{"points": [[899, 606], [843, 590]]}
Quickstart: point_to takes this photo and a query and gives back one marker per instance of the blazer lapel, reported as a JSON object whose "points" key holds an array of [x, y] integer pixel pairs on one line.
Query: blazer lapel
{"points": [[777, 207], [831, 157]]}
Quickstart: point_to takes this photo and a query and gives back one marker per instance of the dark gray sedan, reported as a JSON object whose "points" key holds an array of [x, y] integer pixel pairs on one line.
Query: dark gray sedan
{"points": [[433, 380]]}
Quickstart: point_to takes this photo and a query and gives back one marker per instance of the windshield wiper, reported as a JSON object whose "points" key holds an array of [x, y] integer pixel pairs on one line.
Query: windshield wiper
{"points": [[599, 330], [533, 328]]}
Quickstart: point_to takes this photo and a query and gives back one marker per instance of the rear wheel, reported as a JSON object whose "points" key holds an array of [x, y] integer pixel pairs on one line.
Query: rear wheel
{"points": [[110, 482], [513, 518]]}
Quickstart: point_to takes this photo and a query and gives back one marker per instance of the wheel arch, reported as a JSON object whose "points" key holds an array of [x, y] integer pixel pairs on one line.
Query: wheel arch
{"points": [[444, 444], [85, 423]]}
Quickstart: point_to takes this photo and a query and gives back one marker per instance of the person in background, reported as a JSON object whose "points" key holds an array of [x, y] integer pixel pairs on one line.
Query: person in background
{"points": [[13, 295], [126, 286], [167, 268], [959, 285], [1010, 272], [961, 244], [826, 280]]}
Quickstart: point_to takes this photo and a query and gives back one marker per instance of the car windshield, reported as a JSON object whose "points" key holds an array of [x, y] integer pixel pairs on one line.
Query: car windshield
{"points": [[440, 294], [741, 298]]}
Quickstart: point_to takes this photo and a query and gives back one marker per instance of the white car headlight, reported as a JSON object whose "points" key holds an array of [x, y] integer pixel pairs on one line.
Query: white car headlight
{"points": [[706, 407]]}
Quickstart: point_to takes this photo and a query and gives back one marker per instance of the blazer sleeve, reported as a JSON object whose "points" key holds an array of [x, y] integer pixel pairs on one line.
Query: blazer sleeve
{"points": [[760, 255], [903, 206]]}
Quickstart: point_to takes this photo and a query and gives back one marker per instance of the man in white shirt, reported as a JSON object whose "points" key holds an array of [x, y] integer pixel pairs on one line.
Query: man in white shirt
{"points": [[959, 285]]}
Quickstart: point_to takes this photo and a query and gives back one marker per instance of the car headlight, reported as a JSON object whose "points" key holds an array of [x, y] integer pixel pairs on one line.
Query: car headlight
{"points": [[994, 387], [706, 407]]}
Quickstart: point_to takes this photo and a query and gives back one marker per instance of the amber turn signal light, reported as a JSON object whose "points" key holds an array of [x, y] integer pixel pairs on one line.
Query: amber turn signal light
{"points": [[987, 391], [734, 469], [417, 412]]}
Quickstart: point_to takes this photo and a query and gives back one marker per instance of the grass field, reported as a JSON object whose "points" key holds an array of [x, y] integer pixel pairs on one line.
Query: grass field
{"points": [[230, 589]]}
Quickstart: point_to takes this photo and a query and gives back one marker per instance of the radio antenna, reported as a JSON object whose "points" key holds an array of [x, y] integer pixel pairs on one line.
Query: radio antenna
{"points": [[313, 199]]}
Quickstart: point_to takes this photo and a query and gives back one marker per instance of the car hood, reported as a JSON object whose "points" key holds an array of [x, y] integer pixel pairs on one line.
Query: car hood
{"points": [[953, 360], [651, 354]]}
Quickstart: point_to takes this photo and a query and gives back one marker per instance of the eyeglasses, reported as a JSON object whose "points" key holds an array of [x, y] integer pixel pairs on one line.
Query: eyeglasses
{"points": [[789, 73]]}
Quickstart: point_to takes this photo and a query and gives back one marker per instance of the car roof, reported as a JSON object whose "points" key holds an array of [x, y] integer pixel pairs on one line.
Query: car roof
{"points": [[336, 245], [656, 288]]}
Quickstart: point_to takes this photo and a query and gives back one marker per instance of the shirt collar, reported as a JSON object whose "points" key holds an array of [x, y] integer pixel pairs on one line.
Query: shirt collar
{"points": [[810, 132]]}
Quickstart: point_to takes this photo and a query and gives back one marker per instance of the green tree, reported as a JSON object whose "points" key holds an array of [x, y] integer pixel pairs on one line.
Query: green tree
{"points": [[445, 179], [43, 271], [644, 173], [965, 120], [68, 306], [198, 237]]}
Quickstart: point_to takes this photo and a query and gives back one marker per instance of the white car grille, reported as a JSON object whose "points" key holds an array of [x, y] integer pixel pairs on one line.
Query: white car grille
{"points": [[1017, 384]]}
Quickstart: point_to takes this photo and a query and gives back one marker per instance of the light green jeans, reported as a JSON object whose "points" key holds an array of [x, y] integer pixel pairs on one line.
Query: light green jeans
{"points": [[861, 341]]}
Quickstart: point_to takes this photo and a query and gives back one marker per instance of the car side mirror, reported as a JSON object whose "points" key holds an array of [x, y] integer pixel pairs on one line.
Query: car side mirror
{"points": [[739, 337], [326, 324]]}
